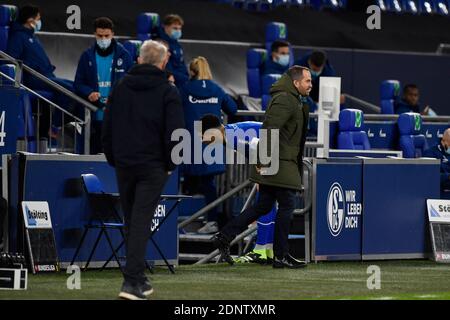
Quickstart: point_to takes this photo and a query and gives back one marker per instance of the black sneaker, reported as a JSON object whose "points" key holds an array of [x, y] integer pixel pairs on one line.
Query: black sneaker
{"points": [[131, 292], [288, 262], [146, 288], [221, 243]]}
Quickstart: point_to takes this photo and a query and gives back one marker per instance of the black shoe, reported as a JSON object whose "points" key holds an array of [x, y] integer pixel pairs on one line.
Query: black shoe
{"points": [[146, 288], [221, 243], [131, 292], [288, 262]]}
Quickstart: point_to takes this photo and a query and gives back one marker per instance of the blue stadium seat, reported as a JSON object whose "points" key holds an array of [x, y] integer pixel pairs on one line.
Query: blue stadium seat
{"points": [[258, 5], [410, 6], [275, 31], [133, 47], [384, 5], [7, 15], [255, 59], [427, 7], [351, 135], [442, 7], [147, 24], [10, 71], [389, 92], [334, 4], [239, 4], [267, 81], [412, 143], [395, 6]]}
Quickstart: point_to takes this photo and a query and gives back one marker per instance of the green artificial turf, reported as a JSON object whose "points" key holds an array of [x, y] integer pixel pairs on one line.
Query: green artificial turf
{"points": [[343, 280]]}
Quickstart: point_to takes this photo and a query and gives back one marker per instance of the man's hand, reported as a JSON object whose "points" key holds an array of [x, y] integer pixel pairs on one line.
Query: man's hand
{"points": [[94, 96]]}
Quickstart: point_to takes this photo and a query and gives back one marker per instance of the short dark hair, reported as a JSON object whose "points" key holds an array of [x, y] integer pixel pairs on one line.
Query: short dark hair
{"points": [[171, 19], [26, 12], [210, 121], [408, 87], [278, 44], [318, 58], [296, 72], [103, 23]]}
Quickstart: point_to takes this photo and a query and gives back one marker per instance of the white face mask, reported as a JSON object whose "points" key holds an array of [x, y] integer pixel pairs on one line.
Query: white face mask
{"points": [[104, 43], [37, 25]]}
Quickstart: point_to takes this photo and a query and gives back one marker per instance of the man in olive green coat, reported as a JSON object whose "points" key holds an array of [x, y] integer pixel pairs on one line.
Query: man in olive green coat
{"points": [[288, 116]]}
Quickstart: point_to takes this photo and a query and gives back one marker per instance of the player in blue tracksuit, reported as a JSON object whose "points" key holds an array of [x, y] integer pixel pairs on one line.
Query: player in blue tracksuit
{"points": [[441, 151], [263, 250], [99, 68], [171, 32], [24, 45], [200, 96]]}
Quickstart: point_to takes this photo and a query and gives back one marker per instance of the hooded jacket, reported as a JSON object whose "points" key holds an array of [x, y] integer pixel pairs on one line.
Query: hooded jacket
{"points": [[24, 45], [142, 112], [290, 116]]}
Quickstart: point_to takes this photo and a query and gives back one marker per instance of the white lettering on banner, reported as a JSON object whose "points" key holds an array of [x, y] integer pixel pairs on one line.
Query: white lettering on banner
{"points": [[160, 212], [204, 101], [342, 213], [382, 134], [2, 129], [104, 84]]}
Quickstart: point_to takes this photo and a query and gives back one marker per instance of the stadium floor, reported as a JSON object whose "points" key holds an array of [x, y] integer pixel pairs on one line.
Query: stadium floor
{"points": [[343, 280]]}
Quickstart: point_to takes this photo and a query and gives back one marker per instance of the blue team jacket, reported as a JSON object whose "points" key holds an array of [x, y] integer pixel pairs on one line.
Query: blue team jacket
{"points": [[271, 67], [24, 45], [86, 79], [176, 63], [328, 71], [201, 97]]}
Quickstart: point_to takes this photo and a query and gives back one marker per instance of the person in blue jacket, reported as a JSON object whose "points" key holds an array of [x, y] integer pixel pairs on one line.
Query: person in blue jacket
{"points": [[200, 96], [278, 62], [441, 151], [99, 68], [319, 65], [409, 102], [171, 32], [25, 46]]}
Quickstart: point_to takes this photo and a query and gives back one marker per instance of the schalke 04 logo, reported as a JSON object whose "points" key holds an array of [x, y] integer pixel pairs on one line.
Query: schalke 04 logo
{"points": [[335, 209]]}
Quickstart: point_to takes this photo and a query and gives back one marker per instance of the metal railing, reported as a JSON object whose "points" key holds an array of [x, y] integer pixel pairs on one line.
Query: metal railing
{"points": [[307, 196], [75, 123]]}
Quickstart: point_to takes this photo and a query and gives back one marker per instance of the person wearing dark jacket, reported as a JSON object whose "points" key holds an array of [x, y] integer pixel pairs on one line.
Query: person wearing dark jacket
{"points": [[319, 65], [99, 68], [278, 62], [441, 151], [288, 116], [24, 45], [171, 32], [142, 112], [200, 96]]}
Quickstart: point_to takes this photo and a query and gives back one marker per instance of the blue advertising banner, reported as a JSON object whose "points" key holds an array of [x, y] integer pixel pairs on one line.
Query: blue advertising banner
{"points": [[56, 179], [395, 216], [11, 118], [337, 209]]}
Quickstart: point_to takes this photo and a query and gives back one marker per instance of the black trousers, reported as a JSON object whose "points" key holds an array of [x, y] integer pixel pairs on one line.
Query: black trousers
{"points": [[268, 195], [140, 189]]}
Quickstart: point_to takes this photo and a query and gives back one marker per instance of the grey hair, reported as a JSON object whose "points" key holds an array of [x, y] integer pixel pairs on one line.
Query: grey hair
{"points": [[152, 52], [296, 72]]}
